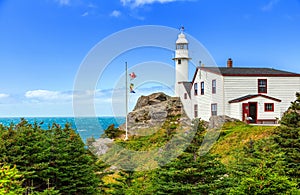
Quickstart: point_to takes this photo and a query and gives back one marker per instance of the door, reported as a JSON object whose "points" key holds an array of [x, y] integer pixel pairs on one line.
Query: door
{"points": [[253, 112], [245, 111]]}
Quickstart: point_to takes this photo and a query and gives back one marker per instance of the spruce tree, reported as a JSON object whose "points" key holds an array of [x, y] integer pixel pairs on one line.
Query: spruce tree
{"points": [[191, 173], [50, 160], [287, 136], [259, 169], [10, 180], [72, 166]]}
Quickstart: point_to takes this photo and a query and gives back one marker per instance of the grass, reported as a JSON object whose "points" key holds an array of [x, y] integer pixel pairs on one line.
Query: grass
{"points": [[155, 137], [234, 135]]}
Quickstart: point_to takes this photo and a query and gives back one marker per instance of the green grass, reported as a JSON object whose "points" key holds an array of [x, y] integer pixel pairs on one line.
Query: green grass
{"points": [[234, 135], [156, 138]]}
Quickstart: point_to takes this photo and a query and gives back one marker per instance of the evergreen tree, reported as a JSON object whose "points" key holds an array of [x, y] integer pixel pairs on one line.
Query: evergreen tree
{"points": [[291, 117], [112, 132], [10, 180], [50, 160], [25, 146], [192, 174], [259, 169], [287, 136], [72, 166]]}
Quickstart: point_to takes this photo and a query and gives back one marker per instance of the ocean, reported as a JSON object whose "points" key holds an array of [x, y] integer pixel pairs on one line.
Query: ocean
{"points": [[85, 126]]}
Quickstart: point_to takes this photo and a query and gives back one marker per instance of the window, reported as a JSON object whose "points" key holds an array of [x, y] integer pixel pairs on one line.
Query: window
{"points": [[185, 96], [214, 109], [262, 85], [196, 89], [196, 110], [269, 107], [179, 61], [202, 88], [214, 86], [182, 46]]}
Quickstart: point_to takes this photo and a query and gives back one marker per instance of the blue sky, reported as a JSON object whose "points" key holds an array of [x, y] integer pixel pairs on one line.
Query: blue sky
{"points": [[43, 43]]}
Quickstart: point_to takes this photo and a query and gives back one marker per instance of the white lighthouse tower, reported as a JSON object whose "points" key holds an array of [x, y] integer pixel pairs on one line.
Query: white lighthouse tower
{"points": [[181, 61]]}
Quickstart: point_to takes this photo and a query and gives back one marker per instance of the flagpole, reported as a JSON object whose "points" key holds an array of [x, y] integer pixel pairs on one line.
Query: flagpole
{"points": [[126, 102]]}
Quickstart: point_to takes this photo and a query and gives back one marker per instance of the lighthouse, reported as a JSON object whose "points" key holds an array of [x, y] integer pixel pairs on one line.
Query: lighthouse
{"points": [[181, 61]]}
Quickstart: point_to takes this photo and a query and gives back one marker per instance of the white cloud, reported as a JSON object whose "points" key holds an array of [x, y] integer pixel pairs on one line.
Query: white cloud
{"points": [[139, 3], [47, 95], [4, 95], [270, 5], [115, 13], [63, 2], [85, 14]]}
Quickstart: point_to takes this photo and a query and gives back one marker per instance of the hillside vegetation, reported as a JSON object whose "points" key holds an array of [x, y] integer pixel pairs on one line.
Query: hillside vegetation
{"points": [[234, 136], [244, 160]]}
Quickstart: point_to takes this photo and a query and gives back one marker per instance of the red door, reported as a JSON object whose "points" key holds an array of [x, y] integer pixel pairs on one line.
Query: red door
{"points": [[245, 112]]}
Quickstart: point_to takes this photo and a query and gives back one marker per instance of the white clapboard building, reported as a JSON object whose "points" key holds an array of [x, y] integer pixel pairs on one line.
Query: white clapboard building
{"points": [[255, 95]]}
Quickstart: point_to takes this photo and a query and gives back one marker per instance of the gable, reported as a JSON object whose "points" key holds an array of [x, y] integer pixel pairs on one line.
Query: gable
{"points": [[248, 97]]}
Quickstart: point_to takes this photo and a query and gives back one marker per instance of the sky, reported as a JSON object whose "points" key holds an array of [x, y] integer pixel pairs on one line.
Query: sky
{"points": [[44, 44]]}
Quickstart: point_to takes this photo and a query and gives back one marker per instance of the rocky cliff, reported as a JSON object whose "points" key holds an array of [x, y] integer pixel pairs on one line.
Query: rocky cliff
{"points": [[153, 110]]}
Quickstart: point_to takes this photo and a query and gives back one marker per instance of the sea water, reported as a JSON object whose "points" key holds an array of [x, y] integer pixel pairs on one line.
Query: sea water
{"points": [[85, 126]]}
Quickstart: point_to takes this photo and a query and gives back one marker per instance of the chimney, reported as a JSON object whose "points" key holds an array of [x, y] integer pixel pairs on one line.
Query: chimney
{"points": [[229, 63]]}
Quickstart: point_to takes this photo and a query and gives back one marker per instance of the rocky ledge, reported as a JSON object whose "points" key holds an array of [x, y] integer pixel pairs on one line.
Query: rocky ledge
{"points": [[152, 111]]}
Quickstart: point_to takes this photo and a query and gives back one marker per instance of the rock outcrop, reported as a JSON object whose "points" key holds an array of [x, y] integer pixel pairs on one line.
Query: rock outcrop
{"points": [[101, 145], [216, 122], [153, 110]]}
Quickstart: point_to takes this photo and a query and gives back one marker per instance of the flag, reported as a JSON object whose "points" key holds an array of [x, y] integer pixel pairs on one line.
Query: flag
{"points": [[132, 76], [131, 88]]}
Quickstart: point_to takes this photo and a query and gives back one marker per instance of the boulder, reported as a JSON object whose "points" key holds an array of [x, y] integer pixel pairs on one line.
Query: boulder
{"points": [[216, 122], [101, 145]]}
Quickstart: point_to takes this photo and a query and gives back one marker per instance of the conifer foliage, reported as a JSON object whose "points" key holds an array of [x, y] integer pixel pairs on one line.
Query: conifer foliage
{"points": [[287, 136], [191, 173], [52, 160], [10, 180]]}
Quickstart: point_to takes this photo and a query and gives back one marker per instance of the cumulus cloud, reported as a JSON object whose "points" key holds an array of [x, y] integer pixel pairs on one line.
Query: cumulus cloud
{"points": [[270, 5], [138, 3], [4, 95], [47, 95], [115, 13]]}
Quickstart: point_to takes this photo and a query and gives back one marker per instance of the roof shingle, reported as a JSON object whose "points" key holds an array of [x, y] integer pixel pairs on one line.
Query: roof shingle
{"points": [[237, 71]]}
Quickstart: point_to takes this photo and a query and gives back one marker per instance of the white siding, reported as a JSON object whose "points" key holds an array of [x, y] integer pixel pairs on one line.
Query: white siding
{"points": [[235, 111], [204, 101], [232, 87], [187, 106], [283, 88]]}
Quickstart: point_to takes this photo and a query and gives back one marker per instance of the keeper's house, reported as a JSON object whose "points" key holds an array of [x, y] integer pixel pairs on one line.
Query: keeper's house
{"points": [[255, 95]]}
